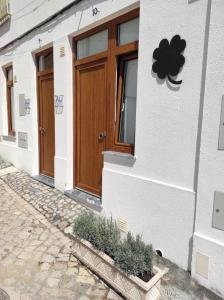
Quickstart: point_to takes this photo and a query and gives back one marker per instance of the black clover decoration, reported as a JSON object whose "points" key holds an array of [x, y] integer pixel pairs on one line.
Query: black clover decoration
{"points": [[168, 58]]}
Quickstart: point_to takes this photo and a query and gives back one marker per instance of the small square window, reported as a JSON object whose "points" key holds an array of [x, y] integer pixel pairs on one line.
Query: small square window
{"points": [[45, 62], [10, 101], [128, 32], [93, 44], [9, 74]]}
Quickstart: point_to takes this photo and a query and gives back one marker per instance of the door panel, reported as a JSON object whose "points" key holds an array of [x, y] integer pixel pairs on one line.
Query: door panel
{"points": [[46, 124], [91, 126]]}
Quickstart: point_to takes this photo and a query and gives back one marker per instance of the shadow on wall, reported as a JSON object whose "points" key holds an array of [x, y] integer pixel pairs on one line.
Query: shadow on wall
{"points": [[119, 160], [190, 253], [169, 85], [5, 27]]}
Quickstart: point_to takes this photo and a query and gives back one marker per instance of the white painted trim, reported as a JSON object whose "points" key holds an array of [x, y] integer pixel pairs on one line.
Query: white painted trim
{"points": [[151, 180], [201, 236]]}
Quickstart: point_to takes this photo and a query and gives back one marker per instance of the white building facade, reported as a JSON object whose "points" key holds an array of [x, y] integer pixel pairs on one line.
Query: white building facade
{"points": [[79, 102]]}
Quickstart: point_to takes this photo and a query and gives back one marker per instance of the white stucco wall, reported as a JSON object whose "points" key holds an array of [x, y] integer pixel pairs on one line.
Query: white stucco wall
{"points": [[156, 196], [208, 240]]}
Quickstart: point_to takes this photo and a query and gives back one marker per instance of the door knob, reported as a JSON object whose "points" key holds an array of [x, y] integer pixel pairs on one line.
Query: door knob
{"points": [[101, 136], [42, 130]]}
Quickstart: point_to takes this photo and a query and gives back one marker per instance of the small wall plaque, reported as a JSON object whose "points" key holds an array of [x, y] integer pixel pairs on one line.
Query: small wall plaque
{"points": [[62, 51], [59, 104], [22, 111], [27, 106], [218, 211], [24, 105], [23, 140]]}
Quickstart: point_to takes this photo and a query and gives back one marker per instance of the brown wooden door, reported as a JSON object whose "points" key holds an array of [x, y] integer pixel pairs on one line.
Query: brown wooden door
{"points": [[46, 124], [90, 125]]}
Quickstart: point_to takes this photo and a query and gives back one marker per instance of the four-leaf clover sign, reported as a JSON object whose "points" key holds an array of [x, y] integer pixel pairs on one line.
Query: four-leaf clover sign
{"points": [[168, 58]]}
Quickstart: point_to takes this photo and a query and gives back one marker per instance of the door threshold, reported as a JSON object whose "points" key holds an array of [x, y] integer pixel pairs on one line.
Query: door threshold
{"points": [[49, 181], [85, 198]]}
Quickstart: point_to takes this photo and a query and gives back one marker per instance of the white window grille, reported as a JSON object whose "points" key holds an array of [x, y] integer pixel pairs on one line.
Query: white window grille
{"points": [[4, 11]]}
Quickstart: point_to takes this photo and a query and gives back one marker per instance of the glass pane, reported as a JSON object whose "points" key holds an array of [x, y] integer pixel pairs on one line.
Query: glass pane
{"points": [[9, 74], [93, 44], [45, 62], [12, 108], [128, 32], [128, 103]]}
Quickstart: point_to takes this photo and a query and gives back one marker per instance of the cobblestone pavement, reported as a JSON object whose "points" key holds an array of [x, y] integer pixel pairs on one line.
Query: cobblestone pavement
{"points": [[60, 212], [55, 206], [35, 257], [4, 164]]}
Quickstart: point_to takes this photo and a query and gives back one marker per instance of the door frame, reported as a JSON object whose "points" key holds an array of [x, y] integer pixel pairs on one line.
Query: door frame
{"points": [[38, 76], [111, 55]]}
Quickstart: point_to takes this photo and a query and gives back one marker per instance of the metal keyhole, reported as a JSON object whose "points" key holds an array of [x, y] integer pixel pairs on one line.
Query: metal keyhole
{"points": [[101, 136]]}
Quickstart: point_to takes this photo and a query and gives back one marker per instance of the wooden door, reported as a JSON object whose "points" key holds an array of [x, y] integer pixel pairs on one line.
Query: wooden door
{"points": [[90, 125], [46, 124]]}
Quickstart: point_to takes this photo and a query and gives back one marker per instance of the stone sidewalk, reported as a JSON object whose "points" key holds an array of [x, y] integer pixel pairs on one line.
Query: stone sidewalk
{"points": [[56, 275], [35, 257]]}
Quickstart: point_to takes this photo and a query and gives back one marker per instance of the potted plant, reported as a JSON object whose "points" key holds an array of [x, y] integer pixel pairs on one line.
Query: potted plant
{"points": [[125, 264]]}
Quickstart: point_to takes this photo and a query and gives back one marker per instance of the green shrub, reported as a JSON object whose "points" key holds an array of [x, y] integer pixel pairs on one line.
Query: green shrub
{"points": [[132, 255], [108, 236], [99, 231], [85, 227]]}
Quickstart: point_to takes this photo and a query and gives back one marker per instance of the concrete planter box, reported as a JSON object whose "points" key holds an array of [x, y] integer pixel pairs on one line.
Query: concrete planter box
{"points": [[131, 287]]}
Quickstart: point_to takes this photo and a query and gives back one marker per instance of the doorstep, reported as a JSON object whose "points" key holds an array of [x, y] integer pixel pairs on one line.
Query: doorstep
{"points": [[86, 199], [49, 181]]}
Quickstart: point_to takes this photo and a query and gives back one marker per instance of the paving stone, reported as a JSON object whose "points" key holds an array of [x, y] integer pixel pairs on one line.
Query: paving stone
{"points": [[53, 282], [83, 271], [85, 279], [63, 257], [56, 274], [47, 258], [45, 266], [72, 271], [72, 264], [53, 250]]}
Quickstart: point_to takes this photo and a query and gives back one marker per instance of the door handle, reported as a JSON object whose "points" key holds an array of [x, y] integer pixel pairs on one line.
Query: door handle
{"points": [[42, 130], [101, 136]]}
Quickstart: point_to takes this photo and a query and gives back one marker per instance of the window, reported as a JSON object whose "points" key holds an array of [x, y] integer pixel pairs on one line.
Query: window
{"points": [[10, 101], [128, 32], [126, 104], [45, 61], [115, 43], [127, 67], [93, 44]]}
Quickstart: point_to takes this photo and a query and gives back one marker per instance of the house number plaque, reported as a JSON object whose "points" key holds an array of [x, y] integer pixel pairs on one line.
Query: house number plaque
{"points": [[59, 104]]}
